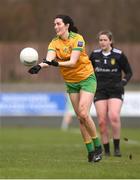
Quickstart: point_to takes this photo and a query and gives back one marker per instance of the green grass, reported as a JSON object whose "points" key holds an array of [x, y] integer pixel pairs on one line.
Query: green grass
{"points": [[52, 153]]}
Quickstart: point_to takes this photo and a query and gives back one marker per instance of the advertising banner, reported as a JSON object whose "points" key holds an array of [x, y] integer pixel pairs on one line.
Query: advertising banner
{"points": [[54, 104], [32, 104]]}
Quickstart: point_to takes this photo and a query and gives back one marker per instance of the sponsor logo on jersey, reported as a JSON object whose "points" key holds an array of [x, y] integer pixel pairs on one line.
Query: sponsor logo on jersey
{"points": [[80, 44], [113, 61], [98, 69], [97, 60]]}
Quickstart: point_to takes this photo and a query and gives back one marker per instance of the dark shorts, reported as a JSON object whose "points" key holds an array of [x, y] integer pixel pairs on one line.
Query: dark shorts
{"points": [[103, 94]]}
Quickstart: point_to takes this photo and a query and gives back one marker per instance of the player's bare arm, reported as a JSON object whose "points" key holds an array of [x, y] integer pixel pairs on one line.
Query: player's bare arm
{"points": [[73, 59], [51, 55]]}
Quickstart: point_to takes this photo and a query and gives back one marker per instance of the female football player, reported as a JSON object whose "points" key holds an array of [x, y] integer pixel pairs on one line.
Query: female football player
{"points": [[67, 51], [109, 63]]}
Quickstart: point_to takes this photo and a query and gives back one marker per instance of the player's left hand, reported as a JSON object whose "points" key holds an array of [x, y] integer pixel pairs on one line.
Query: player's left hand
{"points": [[53, 62], [47, 62], [121, 84]]}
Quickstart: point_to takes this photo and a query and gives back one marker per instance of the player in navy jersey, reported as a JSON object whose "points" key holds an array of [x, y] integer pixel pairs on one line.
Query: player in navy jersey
{"points": [[113, 72]]}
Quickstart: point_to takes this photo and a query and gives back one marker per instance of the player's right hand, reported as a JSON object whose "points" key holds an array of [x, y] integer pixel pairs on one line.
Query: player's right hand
{"points": [[34, 69]]}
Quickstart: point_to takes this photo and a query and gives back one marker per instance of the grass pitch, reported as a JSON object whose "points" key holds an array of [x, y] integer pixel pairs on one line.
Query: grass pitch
{"points": [[54, 154]]}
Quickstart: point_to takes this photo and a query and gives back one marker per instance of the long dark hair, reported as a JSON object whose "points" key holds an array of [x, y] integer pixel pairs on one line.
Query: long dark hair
{"points": [[108, 34], [68, 20]]}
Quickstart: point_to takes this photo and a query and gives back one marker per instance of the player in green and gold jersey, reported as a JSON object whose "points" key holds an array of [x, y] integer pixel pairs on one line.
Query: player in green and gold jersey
{"points": [[67, 51]]}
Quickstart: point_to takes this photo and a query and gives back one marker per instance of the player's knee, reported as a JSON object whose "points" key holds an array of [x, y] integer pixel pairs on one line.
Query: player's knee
{"points": [[115, 123], [83, 115], [80, 120], [114, 118], [102, 125]]}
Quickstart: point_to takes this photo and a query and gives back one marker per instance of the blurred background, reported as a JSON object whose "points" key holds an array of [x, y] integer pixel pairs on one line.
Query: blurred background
{"points": [[29, 23]]}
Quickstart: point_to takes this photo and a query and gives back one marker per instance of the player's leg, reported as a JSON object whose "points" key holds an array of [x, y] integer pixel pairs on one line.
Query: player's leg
{"points": [[75, 98], [87, 141], [84, 106], [101, 110], [87, 91], [73, 91], [85, 103], [114, 108], [86, 137], [81, 95]]}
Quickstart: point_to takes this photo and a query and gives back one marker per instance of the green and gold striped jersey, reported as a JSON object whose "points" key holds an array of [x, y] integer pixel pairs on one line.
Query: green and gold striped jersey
{"points": [[64, 48]]}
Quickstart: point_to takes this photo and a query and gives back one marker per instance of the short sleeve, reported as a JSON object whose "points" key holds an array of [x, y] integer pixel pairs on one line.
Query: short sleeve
{"points": [[79, 44], [51, 46]]}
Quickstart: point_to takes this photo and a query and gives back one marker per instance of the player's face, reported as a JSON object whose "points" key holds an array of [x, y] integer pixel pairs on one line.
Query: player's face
{"points": [[104, 42], [60, 28]]}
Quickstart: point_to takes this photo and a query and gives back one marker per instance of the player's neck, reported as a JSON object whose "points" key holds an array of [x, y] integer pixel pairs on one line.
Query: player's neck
{"points": [[65, 36], [107, 50]]}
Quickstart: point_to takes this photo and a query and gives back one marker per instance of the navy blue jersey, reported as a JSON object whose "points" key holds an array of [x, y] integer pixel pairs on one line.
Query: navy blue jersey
{"points": [[109, 67]]}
